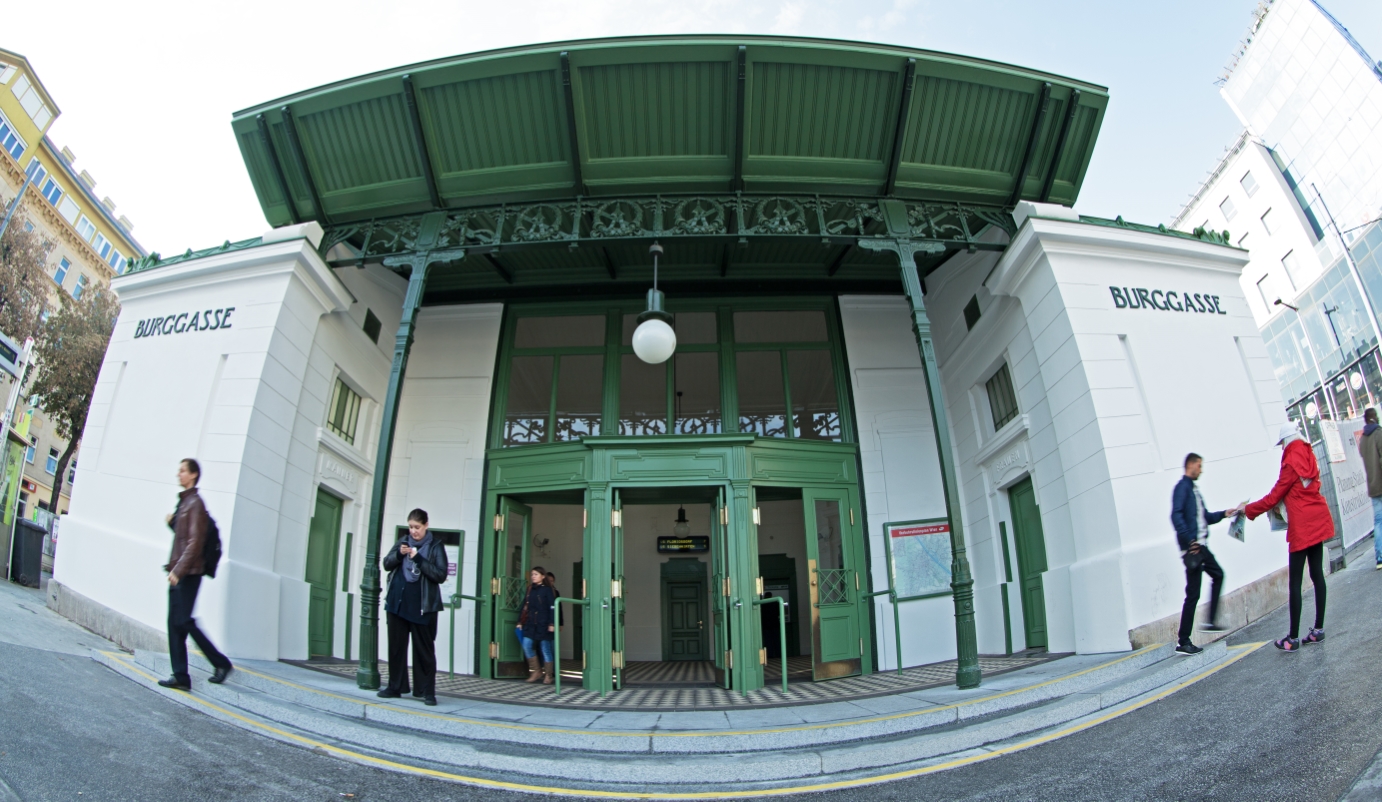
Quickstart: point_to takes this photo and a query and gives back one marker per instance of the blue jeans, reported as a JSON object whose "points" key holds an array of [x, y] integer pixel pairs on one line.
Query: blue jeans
{"points": [[1377, 528], [530, 649]]}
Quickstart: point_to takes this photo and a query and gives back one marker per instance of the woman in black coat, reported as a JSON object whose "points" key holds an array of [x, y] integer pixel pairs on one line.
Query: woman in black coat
{"points": [[537, 624], [417, 568]]}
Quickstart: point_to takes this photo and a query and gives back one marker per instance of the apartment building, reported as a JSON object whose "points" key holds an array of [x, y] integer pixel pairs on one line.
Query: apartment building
{"points": [[90, 243]]}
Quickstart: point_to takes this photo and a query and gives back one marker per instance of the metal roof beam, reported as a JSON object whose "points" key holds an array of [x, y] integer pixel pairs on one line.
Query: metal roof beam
{"points": [[420, 141], [277, 168], [741, 120], [724, 261], [1037, 120], [609, 265], [839, 261], [571, 129], [1064, 136], [300, 160], [904, 110], [498, 268]]}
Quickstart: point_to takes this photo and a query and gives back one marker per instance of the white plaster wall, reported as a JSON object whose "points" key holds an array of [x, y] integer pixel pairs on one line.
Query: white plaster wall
{"points": [[901, 469], [439, 445], [226, 396], [1129, 392]]}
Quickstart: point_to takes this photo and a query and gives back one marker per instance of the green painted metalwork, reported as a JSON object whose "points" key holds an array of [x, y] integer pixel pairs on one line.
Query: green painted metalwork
{"points": [[672, 113], [367, 676], [782, 632], [584, 604], [613, 349]]}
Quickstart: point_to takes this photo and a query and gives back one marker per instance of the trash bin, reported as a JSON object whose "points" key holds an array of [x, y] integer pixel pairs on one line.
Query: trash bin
{"points": [[26, 558]]}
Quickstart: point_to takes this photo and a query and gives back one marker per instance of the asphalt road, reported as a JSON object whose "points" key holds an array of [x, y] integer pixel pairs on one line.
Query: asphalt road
{"points": [[1272, 726]]}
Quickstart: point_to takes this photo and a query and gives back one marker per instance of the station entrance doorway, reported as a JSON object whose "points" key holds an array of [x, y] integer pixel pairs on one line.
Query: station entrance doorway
{"points": [[672, 583]]}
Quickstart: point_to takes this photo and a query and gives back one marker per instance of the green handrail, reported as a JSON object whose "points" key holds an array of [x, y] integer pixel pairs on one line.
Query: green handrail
{"points": [[556, 645], [897, 622], [782, 632], [455, 602]]}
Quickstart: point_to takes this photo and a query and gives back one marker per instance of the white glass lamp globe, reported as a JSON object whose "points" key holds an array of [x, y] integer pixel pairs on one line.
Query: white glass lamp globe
{"points": [[654, 341]]}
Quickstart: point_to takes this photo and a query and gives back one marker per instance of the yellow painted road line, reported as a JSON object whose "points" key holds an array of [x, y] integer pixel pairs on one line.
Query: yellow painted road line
{"points": [[709, 733], [1242, 651]]}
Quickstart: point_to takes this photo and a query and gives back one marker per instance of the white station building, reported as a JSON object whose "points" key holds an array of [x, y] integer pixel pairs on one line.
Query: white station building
{"points": [[909, 380]]}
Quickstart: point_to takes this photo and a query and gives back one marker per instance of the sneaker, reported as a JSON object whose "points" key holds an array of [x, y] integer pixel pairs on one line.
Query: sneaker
{"points": [[1288, 644], [1379, 565], [1187, 648], [1211, 627], [1315, 636]]}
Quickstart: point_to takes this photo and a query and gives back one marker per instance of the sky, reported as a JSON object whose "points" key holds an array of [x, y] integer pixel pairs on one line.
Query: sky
{"points": [[147, 88]]}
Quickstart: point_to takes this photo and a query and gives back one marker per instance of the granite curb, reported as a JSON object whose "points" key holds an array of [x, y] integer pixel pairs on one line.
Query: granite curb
{"points": [[637, 762]]}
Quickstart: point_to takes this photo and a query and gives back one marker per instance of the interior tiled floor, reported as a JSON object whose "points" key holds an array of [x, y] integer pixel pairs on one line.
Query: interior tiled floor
{"points": [[688, 686]]}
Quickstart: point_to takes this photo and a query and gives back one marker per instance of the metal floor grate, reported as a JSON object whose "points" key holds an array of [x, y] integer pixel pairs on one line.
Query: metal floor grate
{"points": [[638, 696]]}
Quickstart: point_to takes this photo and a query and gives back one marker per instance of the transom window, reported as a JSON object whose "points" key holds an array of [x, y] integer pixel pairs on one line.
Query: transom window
{"points": [[343, 414], [1002, 399], [770, 372]]}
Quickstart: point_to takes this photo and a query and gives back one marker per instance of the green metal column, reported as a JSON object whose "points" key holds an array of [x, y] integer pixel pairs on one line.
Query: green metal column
{"points": [[967, 673], [367, 675], [742, 570]]}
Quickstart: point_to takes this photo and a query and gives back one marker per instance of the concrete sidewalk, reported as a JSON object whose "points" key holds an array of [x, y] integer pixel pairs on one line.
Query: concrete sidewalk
{"points": [[724, 752]]}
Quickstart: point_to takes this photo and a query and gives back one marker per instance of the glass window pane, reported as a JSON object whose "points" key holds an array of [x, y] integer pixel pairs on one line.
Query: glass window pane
{"points": [[762, 406], [780, 327], [580, 393], [830, 544], [555, 332], [815, 405], [630, 323], [698, 393], [642, 396], [694, 328], [529, 401], [1002, 399], [1372, 379]]}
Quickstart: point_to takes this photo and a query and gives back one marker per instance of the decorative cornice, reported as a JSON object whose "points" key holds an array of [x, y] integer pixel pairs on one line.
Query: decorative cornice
{"points": [[1015, 428]]}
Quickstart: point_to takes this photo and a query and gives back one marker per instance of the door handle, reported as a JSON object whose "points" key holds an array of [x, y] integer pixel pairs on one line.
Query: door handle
{"points": [[700, 625]]}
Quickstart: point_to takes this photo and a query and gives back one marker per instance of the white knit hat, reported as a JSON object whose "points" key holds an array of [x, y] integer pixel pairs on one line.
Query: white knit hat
{"points": [[1287, 429]]}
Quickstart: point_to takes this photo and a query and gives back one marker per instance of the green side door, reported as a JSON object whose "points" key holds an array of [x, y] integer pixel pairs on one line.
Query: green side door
{"points": [[509, 585], [322, 537], [685, 620], [616, 600], [836, 630], [1031, 560]]}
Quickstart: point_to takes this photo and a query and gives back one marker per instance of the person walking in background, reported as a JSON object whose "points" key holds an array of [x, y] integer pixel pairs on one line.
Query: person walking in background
{"points": [[537, 622], [1308, 526], [185, 567], [1192, 520], [1370, 447], [417, 568]]}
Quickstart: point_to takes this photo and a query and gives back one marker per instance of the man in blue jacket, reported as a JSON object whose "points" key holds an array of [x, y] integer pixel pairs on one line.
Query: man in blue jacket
{"points": [[1192, 520]]}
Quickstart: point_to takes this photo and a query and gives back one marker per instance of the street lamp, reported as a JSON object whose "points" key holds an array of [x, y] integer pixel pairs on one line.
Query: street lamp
{"points": [[654, 340]]}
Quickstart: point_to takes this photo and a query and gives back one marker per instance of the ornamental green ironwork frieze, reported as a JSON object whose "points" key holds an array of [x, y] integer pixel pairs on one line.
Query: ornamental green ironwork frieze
{"points": [[739, 216]]}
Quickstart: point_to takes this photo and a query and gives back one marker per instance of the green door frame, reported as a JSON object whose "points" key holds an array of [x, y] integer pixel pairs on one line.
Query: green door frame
{"points": [[735, 464]]}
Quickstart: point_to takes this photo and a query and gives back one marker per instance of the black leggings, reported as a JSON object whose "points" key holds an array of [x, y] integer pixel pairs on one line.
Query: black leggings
{"points": [[1315, 554]]}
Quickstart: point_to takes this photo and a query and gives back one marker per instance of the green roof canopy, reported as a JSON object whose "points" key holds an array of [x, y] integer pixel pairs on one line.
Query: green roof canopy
{"points": [[671, 114]]}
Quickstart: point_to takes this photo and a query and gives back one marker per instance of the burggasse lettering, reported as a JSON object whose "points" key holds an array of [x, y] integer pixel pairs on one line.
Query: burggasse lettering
{"points": [[183, 322], [1165, 300]]}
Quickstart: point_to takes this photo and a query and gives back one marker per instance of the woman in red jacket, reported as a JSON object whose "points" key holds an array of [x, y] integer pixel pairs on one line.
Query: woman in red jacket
{"points": [[1308, 526]]}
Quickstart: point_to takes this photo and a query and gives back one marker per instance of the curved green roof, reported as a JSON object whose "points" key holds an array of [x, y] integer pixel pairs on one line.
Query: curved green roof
{"points": [[671, 114]]}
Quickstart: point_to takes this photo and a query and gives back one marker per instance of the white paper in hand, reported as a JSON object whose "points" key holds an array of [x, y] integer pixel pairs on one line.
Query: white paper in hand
{"points": [[1276, 517], [1237, 528]]}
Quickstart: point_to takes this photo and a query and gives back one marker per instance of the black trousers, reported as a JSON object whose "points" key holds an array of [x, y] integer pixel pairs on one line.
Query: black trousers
{"points": [[424, 638], [1315, 556], [182, 598], [1210, 566]]}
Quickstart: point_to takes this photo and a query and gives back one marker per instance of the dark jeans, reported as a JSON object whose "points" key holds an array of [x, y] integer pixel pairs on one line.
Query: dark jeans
{"points": [[1192, 592], [182, 598], [1315, 556], [424, 638]]}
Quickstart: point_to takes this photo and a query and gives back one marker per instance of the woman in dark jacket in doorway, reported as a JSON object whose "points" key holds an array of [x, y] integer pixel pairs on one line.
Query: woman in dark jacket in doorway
{"points": [[537, 623], [417, 568]]}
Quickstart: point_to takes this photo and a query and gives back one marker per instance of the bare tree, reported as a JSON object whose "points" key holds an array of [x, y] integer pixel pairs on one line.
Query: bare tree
{"points": [[70, 348]]}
